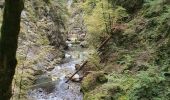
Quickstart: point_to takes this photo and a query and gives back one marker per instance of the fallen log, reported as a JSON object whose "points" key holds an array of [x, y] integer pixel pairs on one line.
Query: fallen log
{"points": [[77, 71], [101, 46], [104, 43]]}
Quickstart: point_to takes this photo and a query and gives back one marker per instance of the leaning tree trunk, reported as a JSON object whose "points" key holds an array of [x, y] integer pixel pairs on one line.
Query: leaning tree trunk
{"points": [[8, 45]]}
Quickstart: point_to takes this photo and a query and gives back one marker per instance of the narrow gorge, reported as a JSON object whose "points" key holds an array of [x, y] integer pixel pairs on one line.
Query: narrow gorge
{"points": [[85, 50]]}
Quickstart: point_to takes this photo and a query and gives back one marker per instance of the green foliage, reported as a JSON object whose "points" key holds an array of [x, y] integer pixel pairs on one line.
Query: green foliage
{"points": [[142, 48], [145, 85], [149, 85], [99, 17], [95, 60]]}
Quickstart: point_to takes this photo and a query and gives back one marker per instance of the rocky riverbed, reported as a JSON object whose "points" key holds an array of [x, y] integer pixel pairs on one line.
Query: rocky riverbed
{"points": [[51, 85]]}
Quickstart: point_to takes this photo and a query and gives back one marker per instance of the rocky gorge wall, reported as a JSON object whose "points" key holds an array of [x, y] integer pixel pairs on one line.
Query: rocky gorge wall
{"points": [[41, 42]]}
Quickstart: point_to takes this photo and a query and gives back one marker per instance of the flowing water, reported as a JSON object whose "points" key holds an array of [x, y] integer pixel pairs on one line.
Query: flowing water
{"points": [[52, 86]]}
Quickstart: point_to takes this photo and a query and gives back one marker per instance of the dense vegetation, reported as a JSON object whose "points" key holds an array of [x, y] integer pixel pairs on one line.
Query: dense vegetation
{"points": [[134, 63]]}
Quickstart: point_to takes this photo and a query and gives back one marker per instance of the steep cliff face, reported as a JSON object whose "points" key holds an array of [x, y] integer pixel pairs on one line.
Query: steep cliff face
{"points": [[41, 41]]}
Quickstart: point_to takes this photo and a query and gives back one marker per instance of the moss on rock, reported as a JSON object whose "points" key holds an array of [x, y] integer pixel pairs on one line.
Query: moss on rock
{"points": [[92, 80]]}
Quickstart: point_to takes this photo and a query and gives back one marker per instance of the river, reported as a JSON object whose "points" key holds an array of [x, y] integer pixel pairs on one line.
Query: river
{"points": [[52, 86]]}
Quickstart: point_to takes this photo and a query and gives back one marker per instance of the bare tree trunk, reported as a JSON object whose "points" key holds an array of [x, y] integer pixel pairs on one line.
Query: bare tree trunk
{"points": [[8, 45]]}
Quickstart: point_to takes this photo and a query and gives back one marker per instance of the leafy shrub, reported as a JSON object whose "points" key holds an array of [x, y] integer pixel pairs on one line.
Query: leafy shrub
{"points": [[149, 86]]}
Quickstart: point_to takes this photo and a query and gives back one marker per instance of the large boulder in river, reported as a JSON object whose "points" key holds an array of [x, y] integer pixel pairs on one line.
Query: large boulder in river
{"points": [[92, 80], [76, 78], [43, 79], [45, 82]]}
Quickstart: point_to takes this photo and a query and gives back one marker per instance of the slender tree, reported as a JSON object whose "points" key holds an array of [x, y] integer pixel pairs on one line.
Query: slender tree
{"points": [[8, 45]]}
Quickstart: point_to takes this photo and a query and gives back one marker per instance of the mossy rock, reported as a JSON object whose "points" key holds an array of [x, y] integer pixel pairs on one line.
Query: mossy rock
{"points": [[90, 66], [92, 80]]}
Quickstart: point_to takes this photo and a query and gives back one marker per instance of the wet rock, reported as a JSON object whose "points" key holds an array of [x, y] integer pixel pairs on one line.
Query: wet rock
{"points": [[92, 80], [84, 44], [67, 56], [67, 42], [44, 78], [54, 78], [81, 37], [39, 72], [70, 45], [76, 78], [50, 68], [46, 83]]}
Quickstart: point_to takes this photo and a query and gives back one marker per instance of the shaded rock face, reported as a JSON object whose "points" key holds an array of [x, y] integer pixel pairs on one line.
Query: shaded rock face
{"points": [[52, 23], [56, 39], [40, 43], [84, 44]]}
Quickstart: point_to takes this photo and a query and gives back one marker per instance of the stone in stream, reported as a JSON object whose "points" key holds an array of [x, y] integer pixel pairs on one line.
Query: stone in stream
{"points": [[39, 72], [50, 68], [67, 56], [84, 44], [45, 82], [70, 45], [67, 42], [75, 78], [54, 78]]}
